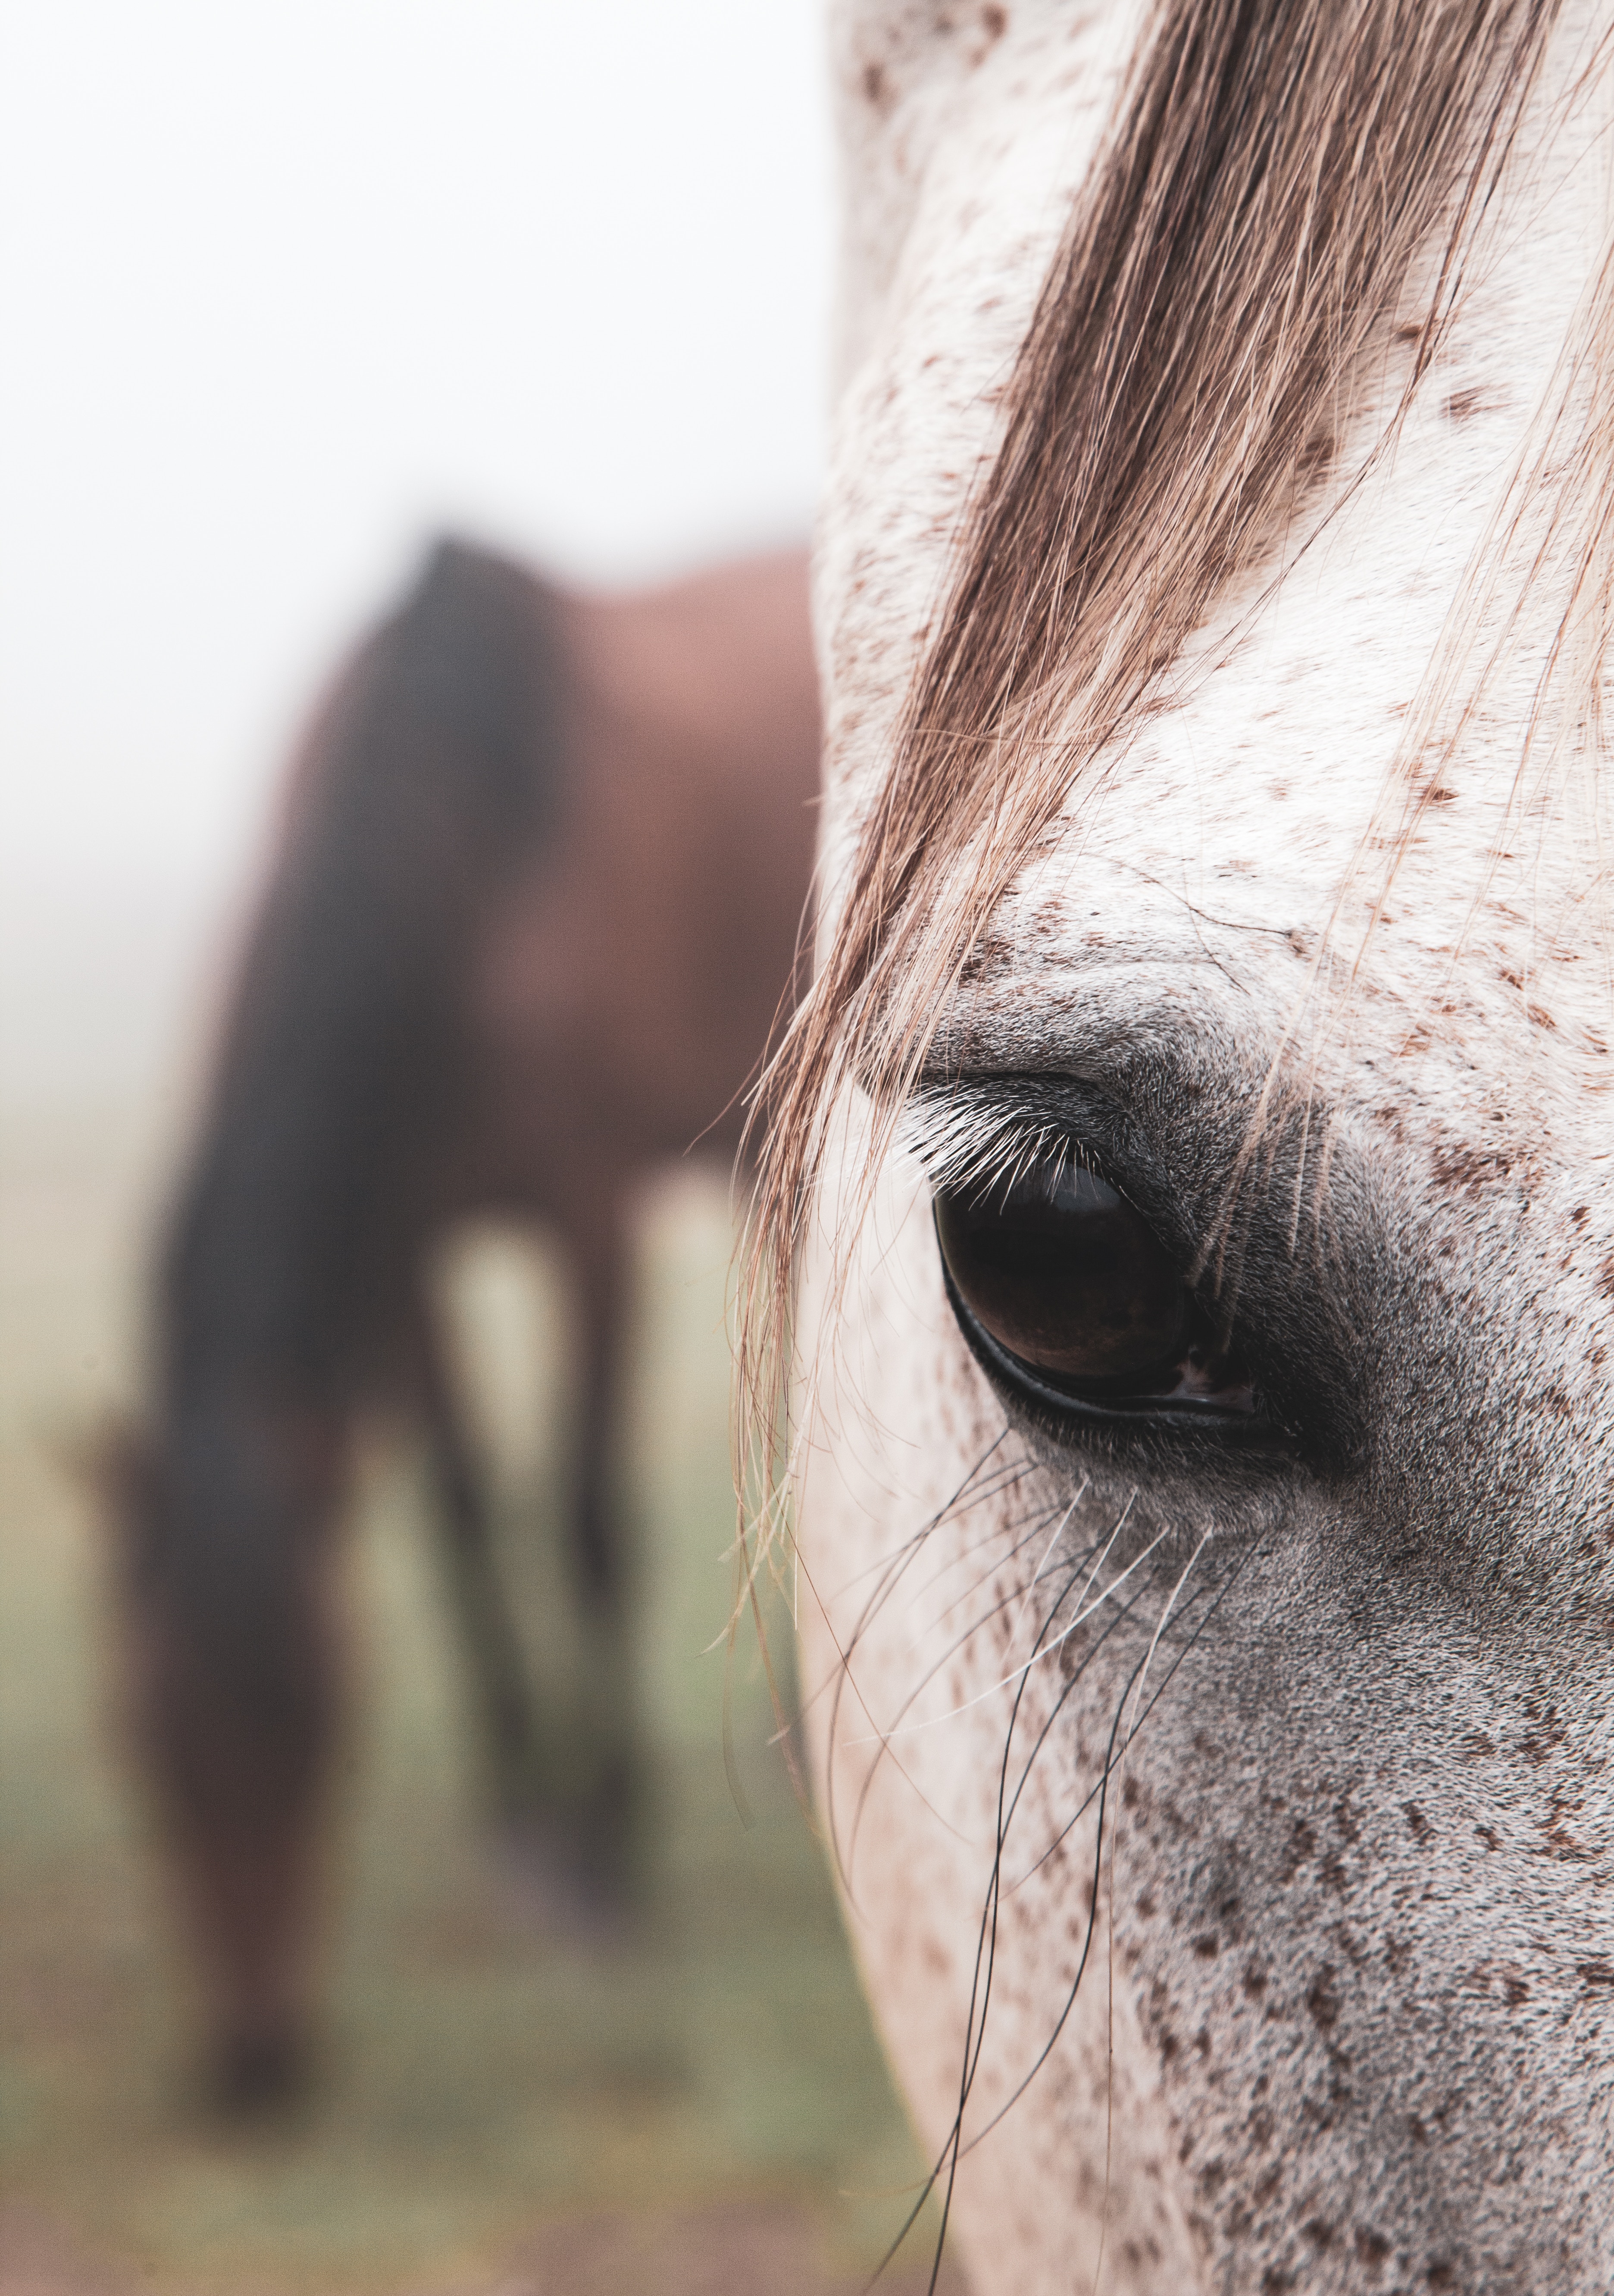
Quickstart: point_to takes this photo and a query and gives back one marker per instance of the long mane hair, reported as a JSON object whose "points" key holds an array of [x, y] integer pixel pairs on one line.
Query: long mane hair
{"points": [[1290, 189]]}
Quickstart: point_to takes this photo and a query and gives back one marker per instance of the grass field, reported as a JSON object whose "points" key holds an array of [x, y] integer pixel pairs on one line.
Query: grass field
{"points": [[703, 2108]]}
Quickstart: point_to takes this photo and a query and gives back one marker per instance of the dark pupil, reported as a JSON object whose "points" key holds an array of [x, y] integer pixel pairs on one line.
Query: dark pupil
{"points": [[1064, 1273]]}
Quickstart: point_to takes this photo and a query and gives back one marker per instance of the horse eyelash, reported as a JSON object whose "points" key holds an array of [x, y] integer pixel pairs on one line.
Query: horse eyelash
{"points": [[974, 1143]]}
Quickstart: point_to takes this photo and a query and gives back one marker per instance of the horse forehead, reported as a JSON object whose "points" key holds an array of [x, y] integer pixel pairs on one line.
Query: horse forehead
{"points": [[1245, 837], [962, 159], [1246, 833], [1250, 790]]}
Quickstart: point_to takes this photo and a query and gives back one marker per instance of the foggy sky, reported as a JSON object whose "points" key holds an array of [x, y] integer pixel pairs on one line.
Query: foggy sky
{"points": [[286, 288]]}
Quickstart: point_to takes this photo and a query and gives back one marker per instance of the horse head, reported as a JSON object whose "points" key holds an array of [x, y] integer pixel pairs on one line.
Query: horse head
{"points": [[220, 1522], [1196, 1148]]}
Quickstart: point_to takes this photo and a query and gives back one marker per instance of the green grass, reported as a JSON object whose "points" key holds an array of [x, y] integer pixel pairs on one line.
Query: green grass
{"points": [[478, 2077]]}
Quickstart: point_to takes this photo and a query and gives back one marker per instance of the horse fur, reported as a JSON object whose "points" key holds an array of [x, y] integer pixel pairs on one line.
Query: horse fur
{"points": [[1228, 1843]]}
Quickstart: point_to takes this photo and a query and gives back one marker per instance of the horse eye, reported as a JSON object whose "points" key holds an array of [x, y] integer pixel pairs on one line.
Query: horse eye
{"points": [[1060, 1271]]}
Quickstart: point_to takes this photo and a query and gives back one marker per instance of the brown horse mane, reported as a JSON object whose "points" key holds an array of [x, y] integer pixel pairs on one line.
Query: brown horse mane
{"points": [[1284, 178], [434, 765]]}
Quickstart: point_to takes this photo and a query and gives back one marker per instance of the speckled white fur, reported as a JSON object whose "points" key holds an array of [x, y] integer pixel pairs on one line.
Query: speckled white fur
{"points": [[1187, 899]]}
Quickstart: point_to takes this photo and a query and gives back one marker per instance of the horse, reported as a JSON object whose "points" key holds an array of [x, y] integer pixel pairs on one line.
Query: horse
{"points": [[532, 914], [1186, 1214]]}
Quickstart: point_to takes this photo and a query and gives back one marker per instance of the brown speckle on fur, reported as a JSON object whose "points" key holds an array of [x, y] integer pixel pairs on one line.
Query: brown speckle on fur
{"points": [[1322, 2000], [1466, 1171], [1371, 2248]]}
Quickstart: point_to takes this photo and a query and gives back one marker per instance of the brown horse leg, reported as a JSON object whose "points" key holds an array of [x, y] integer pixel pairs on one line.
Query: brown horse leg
{"points": [[600, 1560], [498, 1666]]}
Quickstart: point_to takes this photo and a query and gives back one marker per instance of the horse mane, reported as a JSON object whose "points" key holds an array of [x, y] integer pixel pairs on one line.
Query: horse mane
{"points": [[1282, 178], [425, 772], [435, 764]]}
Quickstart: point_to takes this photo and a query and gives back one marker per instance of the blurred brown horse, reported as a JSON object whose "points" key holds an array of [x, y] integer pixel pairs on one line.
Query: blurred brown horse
{"points": [[533, 914]]}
